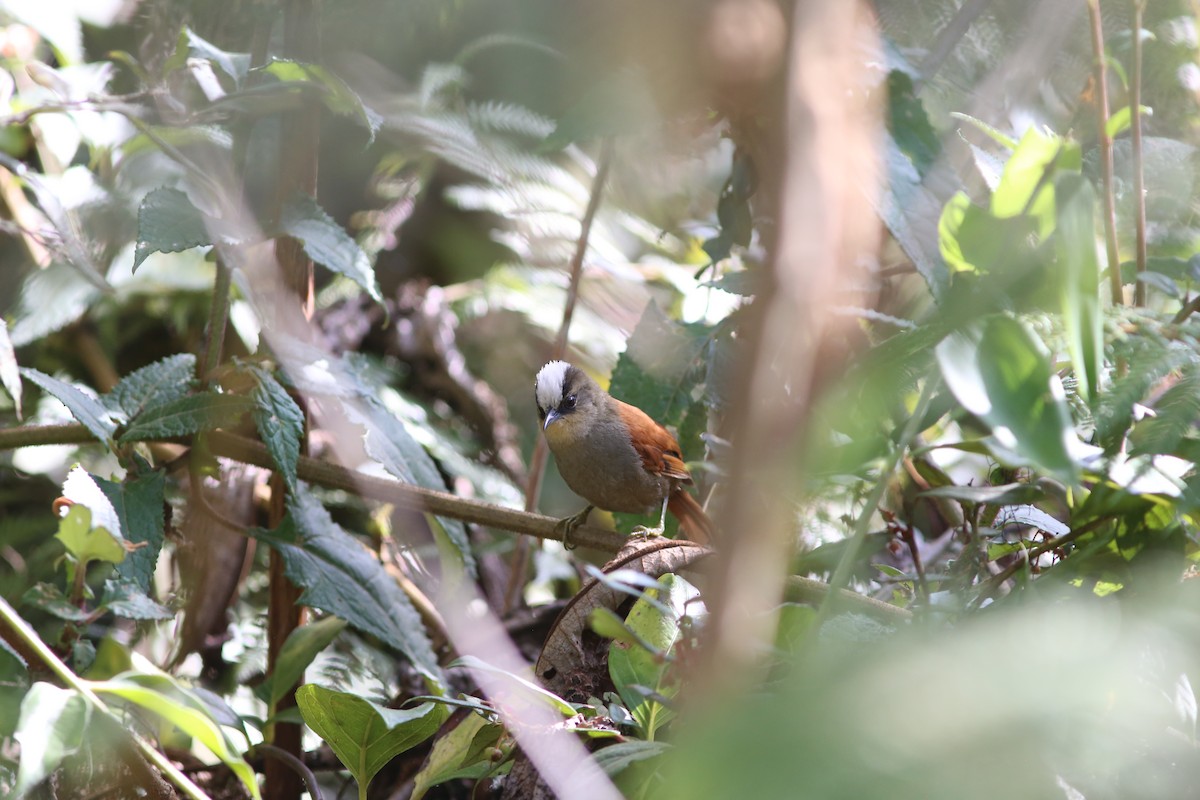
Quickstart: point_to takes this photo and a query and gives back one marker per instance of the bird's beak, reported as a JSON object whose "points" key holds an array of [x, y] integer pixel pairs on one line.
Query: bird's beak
{"points": [[551, 415]]}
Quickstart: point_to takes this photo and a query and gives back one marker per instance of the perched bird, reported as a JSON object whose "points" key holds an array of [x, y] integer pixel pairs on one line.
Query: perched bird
{"points": [[613, 455]]}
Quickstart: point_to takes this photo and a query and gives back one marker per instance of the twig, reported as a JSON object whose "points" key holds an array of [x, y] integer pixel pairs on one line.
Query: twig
{"points": [[1139, 179], [537, 463], [300, 768], [1106, 153], [950, 35], [1192, 307]]}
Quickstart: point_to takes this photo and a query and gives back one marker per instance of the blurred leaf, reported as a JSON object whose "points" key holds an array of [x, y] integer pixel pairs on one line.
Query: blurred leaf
{"points": [[338, 97], [616, 758], [1121, 119], [138, 504], [464, 752], [525, 687], [302, 646], [50, 299], [1160, 282], [86, 543], [49, 598], [152, 385], [130, 601], [279, 421], [327, 243], [909, 123], [1024, 189], [85, 408], [169, 223], [1032, 517], [617, 103], [341, 577], [1079, 281], [187, 415], [998, 136], [10, 374], [1007, 494], [911, 212], [192, 45], [52, 726], [166, 698], [365, 736]]}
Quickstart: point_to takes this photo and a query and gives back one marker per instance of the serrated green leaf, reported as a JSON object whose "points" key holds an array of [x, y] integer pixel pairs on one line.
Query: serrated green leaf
{"points": [[327, 243], [365, 736], [138, 505], [187, 415], [152, 385], [10, 373], [341, 577], [464, 752], [85, 408], [1000, 371], [52, 726], [128, 600], [338, 96], [279, 421], [166, 698], [86, 543], [168, 223], [302, 646]]}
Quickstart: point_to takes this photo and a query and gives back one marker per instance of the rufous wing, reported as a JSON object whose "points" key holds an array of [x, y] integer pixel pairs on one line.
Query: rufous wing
{"points": [[654, 444]]}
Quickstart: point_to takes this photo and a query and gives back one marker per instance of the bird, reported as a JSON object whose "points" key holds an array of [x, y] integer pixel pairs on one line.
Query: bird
{"points": [[614, 455]]}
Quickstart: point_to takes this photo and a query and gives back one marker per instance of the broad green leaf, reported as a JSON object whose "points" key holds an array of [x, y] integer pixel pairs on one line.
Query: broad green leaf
{"points": [[972, 239], [1079, 281], [83, 407], [130, 601], [10, 374], [152, 385], [341, 577], [1023, 189], [1000, 371], [338, 96], [465, 752], [1008, 494], [52, 726], [327, 243], [279, 421], [163, 696], [524, 686], [187, 415], [365, 736], [86, 543], [631, 665], [168, 223], [301, 647], [138, 505], [50, 599]]}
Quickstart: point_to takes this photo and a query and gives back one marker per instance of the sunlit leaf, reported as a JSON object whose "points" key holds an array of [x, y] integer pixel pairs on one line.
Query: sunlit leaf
{"points": [[169, 223], [52, 726]]}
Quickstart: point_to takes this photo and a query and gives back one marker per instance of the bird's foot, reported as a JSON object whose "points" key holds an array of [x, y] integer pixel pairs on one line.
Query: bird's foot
{"points": [[567, 526], [646, 533]]}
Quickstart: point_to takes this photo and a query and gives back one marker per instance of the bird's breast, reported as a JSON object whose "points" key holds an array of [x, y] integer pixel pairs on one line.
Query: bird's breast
{"points": [[600, 465]]}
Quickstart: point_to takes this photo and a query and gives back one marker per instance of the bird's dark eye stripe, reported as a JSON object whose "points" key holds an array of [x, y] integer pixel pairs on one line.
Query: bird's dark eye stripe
{"points": [[675, 453]]}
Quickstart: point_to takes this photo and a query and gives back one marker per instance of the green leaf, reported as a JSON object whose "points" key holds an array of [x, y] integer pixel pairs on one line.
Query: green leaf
{"points": [[631, 665], [138, 504], [152, 385], [327, 243], [130, 601], [192, 45], [1001, 138], [909, 123], [50, 599], [187, 415], [301, 647], [85, 408], [341, 577], [1024, 175], [911, 212], [52, 726], [86, 543], [1160, 282], [999, 371], [524, 686], [618, 757], [1121, 119], [465, 752], [337, 95], [1008, 494], [365, 736], [169, 223], [1079, 281], [161, 695], [279, 421], [10, 374]]}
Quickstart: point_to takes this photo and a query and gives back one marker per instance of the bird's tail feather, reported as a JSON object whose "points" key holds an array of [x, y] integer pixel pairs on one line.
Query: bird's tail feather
{"points": [[693, 522]]}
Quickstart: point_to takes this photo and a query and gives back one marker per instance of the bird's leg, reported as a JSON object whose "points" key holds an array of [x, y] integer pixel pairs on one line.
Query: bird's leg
{"points": [[650, 533], [568, 525]]}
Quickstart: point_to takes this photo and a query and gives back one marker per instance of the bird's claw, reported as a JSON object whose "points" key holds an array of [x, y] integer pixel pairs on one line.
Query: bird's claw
{"points": [[646, 533], [567, 526]]}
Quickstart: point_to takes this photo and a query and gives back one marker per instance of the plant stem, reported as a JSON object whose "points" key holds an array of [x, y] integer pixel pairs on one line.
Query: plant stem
{"points": [[1106, 153], [1139, 178], [35, 644]]}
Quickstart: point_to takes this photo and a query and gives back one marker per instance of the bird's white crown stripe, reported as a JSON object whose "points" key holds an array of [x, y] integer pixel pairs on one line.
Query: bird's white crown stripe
{"points": [[549, 384]]}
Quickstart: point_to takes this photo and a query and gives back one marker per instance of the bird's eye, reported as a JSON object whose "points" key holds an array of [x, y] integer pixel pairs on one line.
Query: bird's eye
{"points": [[569, 402]]}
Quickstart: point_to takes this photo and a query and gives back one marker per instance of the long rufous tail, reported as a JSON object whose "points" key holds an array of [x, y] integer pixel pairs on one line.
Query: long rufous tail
{"points": [[693, 522]]}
